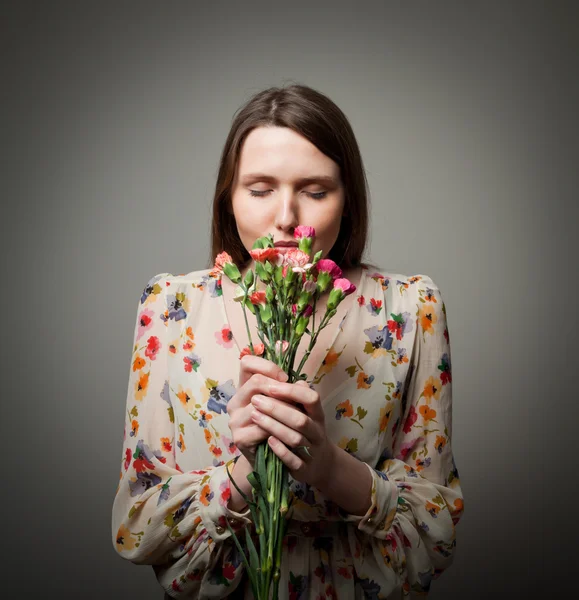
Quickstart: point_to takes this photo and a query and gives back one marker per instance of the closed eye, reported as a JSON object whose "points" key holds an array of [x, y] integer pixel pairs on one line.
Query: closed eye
{"points": [[314, 195]]}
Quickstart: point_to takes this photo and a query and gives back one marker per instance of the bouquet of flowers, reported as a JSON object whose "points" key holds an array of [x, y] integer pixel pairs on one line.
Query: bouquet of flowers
{"points": [[294, 282]]}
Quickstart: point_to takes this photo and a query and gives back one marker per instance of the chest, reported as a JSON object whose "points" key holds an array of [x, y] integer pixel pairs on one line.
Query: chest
{"points": [[312, 358]]}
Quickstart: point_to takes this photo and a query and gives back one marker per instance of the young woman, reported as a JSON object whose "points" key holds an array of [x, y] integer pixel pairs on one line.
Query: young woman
{"points": [[377, 497]]}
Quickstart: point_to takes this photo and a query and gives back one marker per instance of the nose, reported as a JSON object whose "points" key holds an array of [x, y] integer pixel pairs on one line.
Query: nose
{"points": [[287, 218]]}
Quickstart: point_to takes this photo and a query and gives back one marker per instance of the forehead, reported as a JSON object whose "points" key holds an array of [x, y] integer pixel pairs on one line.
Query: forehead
{"points": [[284, 152]]}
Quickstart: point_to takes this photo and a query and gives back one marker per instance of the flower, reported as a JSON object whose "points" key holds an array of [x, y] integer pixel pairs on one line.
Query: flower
{"points": [[342, 288], [259, 349], [221, 260], [304, 231], [283, 345], [224, 264], [295, 258], [273, 255], [329, 266], [328, 270], [258, 298], [306, 236]]}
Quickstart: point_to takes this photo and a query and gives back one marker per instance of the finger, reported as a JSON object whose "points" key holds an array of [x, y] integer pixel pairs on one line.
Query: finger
{"points": [[291, 460], [290, 437], [251, 365], [301, 393], [286, 413]]}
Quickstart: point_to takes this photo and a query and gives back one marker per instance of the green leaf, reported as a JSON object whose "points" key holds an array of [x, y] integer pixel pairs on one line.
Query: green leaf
{"points": [[351, 370], [171, 414], [352, 446], [361, 412], [132, 512], [176, 533], [134, 412], [253, 556], [368, 348]]}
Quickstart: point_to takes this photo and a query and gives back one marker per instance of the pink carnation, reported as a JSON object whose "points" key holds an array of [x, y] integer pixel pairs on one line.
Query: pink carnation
{"points": [[296, 258], [345, 285], [220, 260], [283, 345], [328, 265], [303, 231]]}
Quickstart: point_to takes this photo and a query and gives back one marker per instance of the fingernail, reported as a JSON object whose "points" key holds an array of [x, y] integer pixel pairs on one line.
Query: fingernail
{"points": [[256, 415], [260, 402], [282, 377]]}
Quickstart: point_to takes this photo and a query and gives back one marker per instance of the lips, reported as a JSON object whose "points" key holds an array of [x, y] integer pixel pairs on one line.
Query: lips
{"points": [[291, 244]]}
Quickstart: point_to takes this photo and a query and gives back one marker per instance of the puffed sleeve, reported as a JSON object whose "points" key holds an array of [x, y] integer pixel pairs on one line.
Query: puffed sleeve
{"points": [[162, 516], [416, 496]]}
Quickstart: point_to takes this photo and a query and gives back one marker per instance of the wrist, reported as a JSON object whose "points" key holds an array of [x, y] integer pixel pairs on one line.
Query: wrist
{"points": [[241, 469], [330, 464]]}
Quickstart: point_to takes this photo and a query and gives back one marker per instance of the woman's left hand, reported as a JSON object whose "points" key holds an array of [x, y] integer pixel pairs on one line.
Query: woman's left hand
{"points": [[279, 414]]}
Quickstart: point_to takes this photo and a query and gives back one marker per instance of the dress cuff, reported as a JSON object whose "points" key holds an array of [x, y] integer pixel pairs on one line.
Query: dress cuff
{"points": [[382, 510], [214, 510]]}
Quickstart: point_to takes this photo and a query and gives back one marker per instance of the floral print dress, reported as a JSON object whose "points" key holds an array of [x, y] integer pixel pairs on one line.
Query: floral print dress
{"points": [[385, 385]]}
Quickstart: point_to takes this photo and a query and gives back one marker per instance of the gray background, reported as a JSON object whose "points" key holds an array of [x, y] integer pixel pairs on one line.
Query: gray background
{"points": [[113, 121]]}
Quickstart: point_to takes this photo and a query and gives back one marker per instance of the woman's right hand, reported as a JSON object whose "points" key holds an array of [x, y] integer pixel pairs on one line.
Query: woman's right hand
{"points": [[255, 377]]}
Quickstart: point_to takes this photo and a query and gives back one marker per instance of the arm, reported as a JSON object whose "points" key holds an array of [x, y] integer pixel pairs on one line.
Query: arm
{"points": [[415, 499], [162, 516]]}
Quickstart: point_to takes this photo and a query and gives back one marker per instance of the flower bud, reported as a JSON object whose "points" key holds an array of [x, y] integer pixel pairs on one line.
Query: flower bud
{"points": [[301, 326], [231, 271], [248, 279]]}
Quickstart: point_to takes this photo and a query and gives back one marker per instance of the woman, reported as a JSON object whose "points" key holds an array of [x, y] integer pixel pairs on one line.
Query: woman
{"points": [[377, 496]]}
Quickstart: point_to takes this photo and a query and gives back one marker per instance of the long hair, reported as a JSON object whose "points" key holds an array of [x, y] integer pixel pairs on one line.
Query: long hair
{"points": [[314, 116]]}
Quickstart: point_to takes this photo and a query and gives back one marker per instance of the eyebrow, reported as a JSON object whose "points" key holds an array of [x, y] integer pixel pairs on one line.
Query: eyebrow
{"points": [[303, 181]]}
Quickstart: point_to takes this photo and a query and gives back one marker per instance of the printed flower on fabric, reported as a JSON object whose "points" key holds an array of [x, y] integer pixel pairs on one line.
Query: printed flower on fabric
{"points": [[344, 409], [364, 381], [206, 495], [145, 322], [380, 341], [185, 397], [224, 337], [383, 281], [141, 386], [330, 361], [374, 307], [189, 344], [176, 306], [217, 395], [427, 318], [444, 367], [297, 586], [152, 289], [431, 389], [400, 324], [191, 363], [124, 539], [212, 284], [401, 356], [224, 492], [230, 445]]}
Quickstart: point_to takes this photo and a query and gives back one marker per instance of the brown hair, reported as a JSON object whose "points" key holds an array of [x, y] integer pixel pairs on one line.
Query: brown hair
{"points": [[314, 116]]}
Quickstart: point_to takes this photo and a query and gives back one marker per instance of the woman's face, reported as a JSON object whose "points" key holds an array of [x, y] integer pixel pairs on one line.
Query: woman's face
{"points": [[283, 181]]}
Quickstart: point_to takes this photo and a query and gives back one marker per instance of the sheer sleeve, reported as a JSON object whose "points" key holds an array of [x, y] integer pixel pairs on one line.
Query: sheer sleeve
{"points": [[162, 516], [409, 529]]}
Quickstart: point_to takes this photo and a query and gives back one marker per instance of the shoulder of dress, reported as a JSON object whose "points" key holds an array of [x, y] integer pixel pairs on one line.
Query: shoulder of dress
{"points": [[196, 278], [400, 285]]}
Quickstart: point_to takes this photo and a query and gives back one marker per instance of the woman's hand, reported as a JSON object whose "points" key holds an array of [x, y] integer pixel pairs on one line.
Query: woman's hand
{"points": [[278, 412], [256, 376]]}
